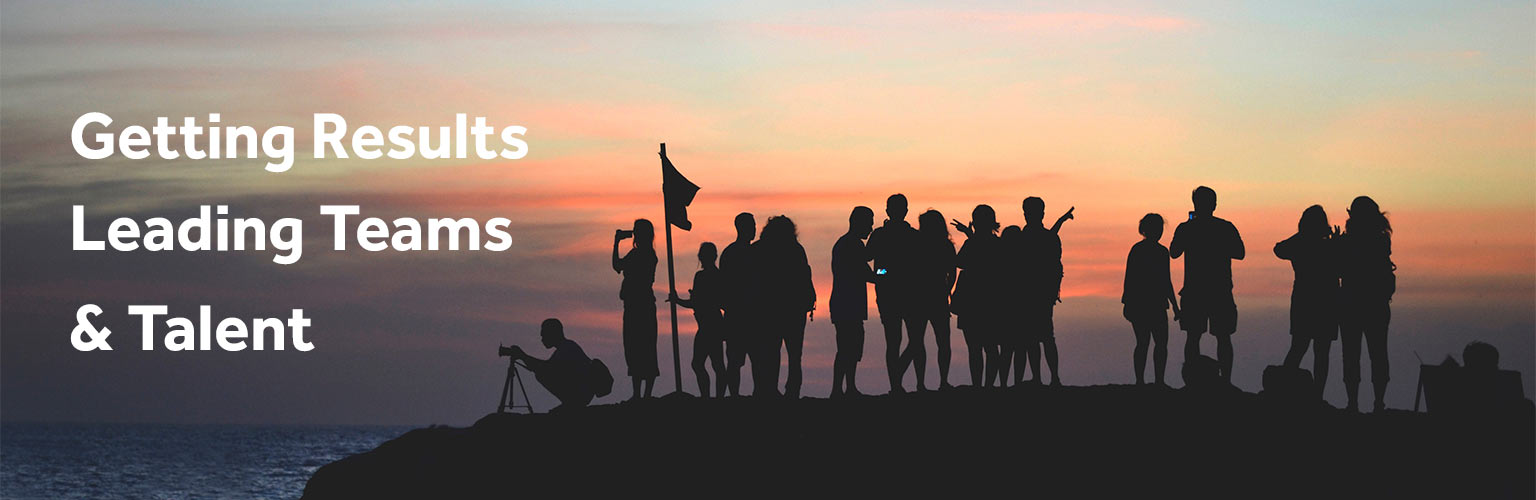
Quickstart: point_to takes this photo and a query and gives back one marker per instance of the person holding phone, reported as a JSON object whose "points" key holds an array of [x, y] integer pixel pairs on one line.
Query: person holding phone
{"points": [[850, 299], [1208, 245], [638, 267], [891, 245]]}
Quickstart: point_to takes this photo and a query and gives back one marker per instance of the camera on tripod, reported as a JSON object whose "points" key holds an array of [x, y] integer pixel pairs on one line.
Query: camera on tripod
{"points": [[514, 382]]}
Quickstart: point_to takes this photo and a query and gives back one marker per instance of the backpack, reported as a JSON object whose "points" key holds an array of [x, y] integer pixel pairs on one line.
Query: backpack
{"points": [[599, 378]]}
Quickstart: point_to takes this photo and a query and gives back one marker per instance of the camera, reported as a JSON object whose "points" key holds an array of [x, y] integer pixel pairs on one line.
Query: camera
{"points": [[508, 351]]}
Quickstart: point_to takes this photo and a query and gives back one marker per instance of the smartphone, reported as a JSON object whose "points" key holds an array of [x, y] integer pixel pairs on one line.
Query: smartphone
{"points": [[625, 233], [1191, 215], [880, 271]]}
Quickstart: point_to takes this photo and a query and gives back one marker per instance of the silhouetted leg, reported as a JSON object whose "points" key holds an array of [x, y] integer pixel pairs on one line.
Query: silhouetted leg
{"points": [[735, 360], [1376, 344], [1320, 363], [650, 386], [1160, 349], [893, 367], [1005, 353], [699, 372], [1032, 349], [635, 390], [1191, 346], [717, 362], [1296, 352], [1224, 356], [994, 355], [975, 357], [774, 353], [1349, 337], [1049, 346], [1020, 363], [917, 351], [1139, 355], [794, 345], [941, 340]]}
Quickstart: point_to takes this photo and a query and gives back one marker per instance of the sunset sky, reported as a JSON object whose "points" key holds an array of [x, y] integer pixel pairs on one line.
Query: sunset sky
{"points": [[1118, 109]]}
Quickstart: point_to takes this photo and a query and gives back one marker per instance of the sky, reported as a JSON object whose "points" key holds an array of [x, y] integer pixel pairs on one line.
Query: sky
{"points": [[794, 108]]}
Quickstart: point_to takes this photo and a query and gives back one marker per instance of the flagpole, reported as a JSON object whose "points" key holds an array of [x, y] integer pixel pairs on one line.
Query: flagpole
{"points": [[677, 362]]}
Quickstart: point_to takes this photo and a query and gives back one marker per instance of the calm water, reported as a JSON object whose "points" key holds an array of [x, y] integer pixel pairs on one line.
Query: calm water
{"points": [[104, 461]]}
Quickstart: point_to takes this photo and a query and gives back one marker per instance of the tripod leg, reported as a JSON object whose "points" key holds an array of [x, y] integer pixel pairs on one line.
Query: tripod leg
{"points": [[527, 403], [506, 390]]}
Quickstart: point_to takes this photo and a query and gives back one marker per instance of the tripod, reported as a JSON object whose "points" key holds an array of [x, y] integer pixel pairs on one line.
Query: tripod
{"points": [[509, 393]]}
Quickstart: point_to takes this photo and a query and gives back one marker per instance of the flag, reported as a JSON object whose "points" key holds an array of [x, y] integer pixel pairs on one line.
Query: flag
{"points": [[678, 193]]}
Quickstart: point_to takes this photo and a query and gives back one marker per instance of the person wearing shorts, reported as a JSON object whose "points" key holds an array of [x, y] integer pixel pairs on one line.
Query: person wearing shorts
{"points": [[1208, 245]]}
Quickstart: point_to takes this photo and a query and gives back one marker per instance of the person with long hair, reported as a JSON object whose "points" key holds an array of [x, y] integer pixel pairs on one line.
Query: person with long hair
{"points": [[1368, 280], [638, 267], [934, 268], [977, 299], [1148, 295], [788, 298], [1315, 292]]}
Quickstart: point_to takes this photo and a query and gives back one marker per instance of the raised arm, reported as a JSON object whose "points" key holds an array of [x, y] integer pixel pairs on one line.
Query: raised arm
{"points": [[618, 263], [1056, 228]]}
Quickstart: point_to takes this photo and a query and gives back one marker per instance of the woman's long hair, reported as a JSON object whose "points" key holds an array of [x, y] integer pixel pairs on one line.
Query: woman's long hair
{"points": [[645, 234], [1367, 219], [932, 223], [779, 229], [1314, 222]]}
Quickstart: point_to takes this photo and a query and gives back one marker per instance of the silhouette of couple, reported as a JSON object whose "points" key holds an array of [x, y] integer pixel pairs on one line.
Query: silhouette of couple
{"points": [[752, 306], [1344, 283]]}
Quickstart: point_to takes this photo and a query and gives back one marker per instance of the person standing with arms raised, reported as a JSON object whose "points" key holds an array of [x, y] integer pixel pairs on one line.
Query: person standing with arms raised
{"points": [[736, 276], [1368, 281], [892, 245], [1208, 245], [1041, 272], [639, 270], [850, 299]]}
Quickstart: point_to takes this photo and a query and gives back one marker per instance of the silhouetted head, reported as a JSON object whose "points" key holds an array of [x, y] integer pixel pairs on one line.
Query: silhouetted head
{"points": [[1034, 209], [896, 207], [1012, 233], [861, 221], [1480, 356], [1151, 227], [983, 219], [1205, 200], [932, 223], [746, 227], [779, 229], [1366, 218], [707, 254], [551, 332], [1314, 222], [645, 233]]}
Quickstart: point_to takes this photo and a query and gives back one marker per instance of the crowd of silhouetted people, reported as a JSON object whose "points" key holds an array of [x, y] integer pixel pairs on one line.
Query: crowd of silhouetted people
{"points": [[1001, 284]]}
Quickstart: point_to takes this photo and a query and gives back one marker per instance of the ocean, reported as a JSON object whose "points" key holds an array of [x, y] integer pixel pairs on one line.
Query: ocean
{"points": [[144, 461]]}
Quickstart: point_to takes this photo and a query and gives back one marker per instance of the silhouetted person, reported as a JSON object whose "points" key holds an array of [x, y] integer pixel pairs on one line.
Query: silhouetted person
{"points": [[1148, 295], [977, 299], [933, 280], [1315, 293], [705, 298], [565, 373], [786, 297], [1368, 281], [892, 245], [1041, 271], [639, 270], [851, 277], [1011, 351], [736, 279], [1208, 245]]}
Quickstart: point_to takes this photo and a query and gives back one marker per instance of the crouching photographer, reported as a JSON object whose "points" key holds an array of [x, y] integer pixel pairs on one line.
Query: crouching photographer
{"points": [[569, 374]]}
